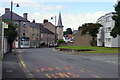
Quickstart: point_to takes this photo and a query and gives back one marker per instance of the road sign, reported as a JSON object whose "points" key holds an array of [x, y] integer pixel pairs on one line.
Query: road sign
{"points": [[6, 25]]}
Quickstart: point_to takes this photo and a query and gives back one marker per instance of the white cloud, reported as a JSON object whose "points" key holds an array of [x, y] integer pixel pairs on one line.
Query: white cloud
{"points": [[75, 20], [69, 20]]}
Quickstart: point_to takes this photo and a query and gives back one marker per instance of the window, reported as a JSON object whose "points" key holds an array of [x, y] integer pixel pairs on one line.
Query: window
{"points": [[23, 32], [24, 24], [108, 18], [107, 39], [41, 35], [32, 35], [99, 40], [108, 29]]}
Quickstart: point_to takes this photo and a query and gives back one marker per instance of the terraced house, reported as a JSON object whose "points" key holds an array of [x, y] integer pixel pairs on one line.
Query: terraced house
{"points": [[34, 34], [23, 27], [31, 34]]}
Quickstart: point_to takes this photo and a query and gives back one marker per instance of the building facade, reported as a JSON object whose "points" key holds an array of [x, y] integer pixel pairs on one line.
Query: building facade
{"points": [[34, 35], [103, 37], [22, 25], [31, 34]]}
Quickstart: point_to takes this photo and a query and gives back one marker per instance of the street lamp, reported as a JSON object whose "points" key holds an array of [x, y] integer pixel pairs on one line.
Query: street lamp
{"points": [[17, 5], [55, 29]]}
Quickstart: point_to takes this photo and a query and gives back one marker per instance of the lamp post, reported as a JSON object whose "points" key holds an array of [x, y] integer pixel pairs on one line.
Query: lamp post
{"points": [[17, 5], [55, 28]]}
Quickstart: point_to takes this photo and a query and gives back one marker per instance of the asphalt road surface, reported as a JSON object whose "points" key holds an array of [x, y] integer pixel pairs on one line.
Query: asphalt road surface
{"points": [[47, 63]]}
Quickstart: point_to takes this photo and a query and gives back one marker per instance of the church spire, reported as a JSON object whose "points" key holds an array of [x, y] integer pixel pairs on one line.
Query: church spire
{"points": [[59, 21]]}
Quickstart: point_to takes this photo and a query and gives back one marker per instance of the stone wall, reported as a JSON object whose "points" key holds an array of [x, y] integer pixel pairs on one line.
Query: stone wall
{"points": [[60, 33], [83, 40]]}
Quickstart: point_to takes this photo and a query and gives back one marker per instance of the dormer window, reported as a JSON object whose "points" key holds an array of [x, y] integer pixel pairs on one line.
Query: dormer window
{"points": [[24, 24]]}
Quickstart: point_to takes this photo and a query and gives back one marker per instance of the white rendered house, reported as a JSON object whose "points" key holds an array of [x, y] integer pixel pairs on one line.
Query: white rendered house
{"points": [[103, 37]]}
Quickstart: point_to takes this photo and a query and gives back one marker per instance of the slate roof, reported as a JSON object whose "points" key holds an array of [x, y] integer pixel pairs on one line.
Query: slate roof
{"points": [[45, 30], [15, 16], [60, 21], [34, 25]]}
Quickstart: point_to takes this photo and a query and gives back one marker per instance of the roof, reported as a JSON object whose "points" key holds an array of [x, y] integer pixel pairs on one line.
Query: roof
{"points": [[45, 30], [40, 24], [48, 23], [60, 21], [105, 15], [34, 25], [15, 16]]}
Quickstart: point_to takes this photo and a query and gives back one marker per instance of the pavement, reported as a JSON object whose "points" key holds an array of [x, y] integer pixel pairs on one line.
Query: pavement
{"points": [[11, 69]]}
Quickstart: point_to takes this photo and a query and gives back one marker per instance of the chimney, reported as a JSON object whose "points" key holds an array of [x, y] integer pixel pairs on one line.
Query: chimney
{"points": [[25, 16], [7, 10], [33, 21], [45, 20]]}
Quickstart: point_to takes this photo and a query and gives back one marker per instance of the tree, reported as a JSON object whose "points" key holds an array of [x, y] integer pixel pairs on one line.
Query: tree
{"points": [[68, 31], [116, 30], [11, 33], [91, 29]]}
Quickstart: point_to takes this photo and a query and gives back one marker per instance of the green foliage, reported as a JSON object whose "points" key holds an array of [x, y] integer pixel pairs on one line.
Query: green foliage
{"points": [[93, 43], [116, 30], [68, 31], [11, 32], [91, 29], [61, 41], [97, 49], [64, 33]]}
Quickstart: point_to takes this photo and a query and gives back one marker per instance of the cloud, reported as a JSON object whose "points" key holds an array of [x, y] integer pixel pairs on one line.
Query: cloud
{"points": [[75, 20], [69, 20]]}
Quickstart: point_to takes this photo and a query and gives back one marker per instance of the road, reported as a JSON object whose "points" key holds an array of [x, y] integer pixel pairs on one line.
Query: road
{"points": [[47, 63]]}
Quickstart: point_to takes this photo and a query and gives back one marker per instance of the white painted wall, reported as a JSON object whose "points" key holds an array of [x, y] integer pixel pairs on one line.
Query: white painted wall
{"points": [[5, 46], [107, 23]]}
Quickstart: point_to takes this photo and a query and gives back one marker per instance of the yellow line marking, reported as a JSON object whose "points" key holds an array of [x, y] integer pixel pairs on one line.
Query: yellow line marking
{"points": [[23, 64], [82, 71], [50, 69], [66, 75], [47, 75], [95, 76], [42, 69], [54, 76], [61, 75], [69, 73], [58, 68]]}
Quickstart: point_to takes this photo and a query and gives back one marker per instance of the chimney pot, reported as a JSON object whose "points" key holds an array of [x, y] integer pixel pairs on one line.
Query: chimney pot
{"points": [[7, 10], [25, 16], [45, 20], [33, 21]]}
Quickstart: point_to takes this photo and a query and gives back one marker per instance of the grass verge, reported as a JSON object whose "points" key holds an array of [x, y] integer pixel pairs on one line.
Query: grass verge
{"points": [[97, 49]]}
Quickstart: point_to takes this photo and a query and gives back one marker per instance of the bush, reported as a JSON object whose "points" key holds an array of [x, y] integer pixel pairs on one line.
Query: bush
{"points": [[42, 44], [93, 43], [61, 41]]}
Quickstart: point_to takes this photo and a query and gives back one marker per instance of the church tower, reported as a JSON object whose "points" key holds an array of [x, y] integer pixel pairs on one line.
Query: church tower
{"points": [[60, 28]]}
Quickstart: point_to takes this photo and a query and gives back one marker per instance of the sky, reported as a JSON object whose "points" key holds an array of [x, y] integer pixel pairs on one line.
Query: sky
{"points": [[74, 12]]}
